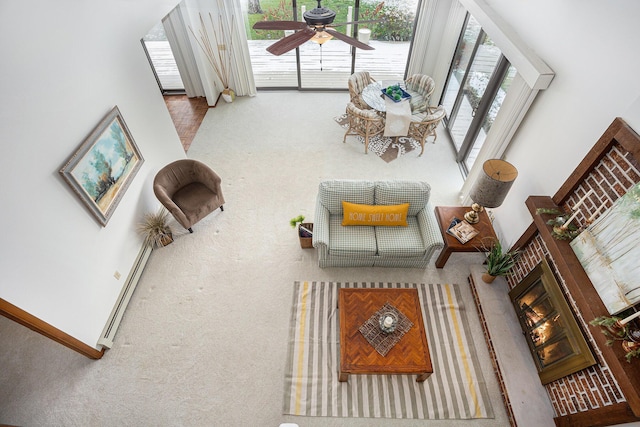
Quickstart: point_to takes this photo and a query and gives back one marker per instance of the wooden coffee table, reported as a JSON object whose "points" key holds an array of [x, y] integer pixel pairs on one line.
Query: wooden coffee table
{"points": [[409, 356], [451, 244]]}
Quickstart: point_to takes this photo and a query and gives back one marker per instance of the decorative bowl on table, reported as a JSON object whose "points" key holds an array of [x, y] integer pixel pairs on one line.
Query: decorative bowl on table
{"points": [[388, 321], [395, 93]]}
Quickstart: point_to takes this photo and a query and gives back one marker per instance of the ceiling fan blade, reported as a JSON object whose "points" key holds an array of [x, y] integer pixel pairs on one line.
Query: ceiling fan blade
{"points": [[291, 42], [279, 25], [353, 22], [347, 39]]}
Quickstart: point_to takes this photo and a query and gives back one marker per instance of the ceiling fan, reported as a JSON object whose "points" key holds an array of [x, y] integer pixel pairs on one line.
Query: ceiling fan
{"points": [[318, 26]]}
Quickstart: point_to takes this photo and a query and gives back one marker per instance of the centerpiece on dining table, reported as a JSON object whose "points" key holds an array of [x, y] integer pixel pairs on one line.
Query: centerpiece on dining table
{"points": [[395, 93]]}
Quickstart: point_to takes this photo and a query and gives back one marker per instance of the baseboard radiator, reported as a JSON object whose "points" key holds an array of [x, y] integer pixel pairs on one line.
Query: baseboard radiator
{"points": [[110, 329]]}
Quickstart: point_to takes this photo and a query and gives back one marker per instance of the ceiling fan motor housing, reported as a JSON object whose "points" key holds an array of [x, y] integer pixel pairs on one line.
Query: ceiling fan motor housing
{"points": [[319, 16]]}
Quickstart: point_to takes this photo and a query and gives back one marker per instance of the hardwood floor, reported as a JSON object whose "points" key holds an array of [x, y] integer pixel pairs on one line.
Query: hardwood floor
{"points": [[187, 115]]}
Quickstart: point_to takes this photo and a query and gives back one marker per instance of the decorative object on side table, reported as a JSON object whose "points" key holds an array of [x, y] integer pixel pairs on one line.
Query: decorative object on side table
{"points": [[625, 330], [305, 231], [491, 187], [100, 171], [461, 230], [155, 229], [499, 263]]}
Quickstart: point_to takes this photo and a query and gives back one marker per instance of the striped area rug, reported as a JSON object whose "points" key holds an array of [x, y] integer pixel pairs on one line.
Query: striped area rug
{"points": [[455, 390]]}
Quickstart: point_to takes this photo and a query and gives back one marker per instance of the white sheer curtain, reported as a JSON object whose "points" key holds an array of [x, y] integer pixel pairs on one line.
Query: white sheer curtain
{"points": [[241, 73], [178, 38]]}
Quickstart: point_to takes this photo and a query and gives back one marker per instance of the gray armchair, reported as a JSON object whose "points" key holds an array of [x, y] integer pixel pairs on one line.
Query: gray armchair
{"points": [[189, 189]]}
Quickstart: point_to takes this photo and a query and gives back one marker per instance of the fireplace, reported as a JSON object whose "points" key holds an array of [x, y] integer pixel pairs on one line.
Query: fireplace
{"points": [[552, 333]]}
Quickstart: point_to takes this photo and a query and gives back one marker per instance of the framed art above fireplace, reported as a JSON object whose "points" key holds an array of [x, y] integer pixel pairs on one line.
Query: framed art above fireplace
{"points": [[552, 333]]}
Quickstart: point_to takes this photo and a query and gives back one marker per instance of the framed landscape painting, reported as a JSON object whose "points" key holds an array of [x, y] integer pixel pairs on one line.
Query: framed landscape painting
{"points": [[102, 168]]}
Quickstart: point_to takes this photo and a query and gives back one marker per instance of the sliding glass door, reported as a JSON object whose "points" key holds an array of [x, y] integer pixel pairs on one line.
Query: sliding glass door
{"points": [[476, 86], [329, 65], [162, 61]]}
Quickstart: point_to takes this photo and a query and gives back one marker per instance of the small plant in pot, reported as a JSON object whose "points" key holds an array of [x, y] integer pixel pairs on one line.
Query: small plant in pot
{"points": [[305, 231], [155, 229], [618, 329], [499, 263]]}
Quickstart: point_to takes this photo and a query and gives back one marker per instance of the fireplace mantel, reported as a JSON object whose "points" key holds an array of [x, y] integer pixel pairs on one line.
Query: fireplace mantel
{"points": [[588, 302], [607, 393]]}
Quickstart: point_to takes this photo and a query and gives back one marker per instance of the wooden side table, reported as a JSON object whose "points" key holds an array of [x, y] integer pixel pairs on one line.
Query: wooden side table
{"points": [[485, 232]]}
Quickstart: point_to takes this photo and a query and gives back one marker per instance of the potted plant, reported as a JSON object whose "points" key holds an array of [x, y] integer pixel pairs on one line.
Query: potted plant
{"points": [[305, 231], [617, 329], [499, 263], [561, 229], [155, 228]]}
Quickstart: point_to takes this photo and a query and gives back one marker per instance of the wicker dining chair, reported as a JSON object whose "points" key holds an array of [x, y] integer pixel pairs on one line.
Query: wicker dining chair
{"points": [[420, 87], [423, 125], [357, 82], [364, 123]]}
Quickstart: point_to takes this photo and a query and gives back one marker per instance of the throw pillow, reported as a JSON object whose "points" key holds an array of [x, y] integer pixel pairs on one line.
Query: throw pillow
{"points": [[386, 215]]}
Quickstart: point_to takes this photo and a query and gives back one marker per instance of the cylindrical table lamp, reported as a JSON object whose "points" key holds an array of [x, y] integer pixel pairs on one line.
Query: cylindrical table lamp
{"points": [[491, 188]]}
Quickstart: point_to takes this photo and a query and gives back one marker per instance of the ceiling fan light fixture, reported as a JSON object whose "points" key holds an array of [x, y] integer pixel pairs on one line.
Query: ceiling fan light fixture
{"points": [[321, 37]]}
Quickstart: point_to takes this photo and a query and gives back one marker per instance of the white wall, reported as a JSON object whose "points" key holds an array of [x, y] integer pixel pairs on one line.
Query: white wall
{"points": [[65, 64], [592, 47]]}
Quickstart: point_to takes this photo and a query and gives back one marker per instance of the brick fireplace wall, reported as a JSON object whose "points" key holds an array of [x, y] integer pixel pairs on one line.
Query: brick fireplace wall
{"points": [[611, 175]]}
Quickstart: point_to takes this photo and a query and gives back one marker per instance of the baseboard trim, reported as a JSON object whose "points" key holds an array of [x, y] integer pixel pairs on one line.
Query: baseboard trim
{"points": [[20, 316]]}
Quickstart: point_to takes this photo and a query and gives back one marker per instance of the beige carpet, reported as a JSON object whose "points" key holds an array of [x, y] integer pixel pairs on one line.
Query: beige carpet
{"points": [[385, 147], [204, 339]]}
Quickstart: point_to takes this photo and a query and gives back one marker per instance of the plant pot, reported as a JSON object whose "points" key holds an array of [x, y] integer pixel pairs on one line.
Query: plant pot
{"points": [[228, 95], [487, 278], [306, 241], [617, 330], [630, 346], [167, 239], [363, 35]]}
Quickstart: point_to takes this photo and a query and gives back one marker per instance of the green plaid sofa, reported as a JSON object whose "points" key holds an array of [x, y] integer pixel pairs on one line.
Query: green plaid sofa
{"points": [[367, 246]]}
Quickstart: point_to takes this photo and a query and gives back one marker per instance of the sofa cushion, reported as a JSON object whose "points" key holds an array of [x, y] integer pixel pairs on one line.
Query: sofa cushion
{"points": [[332, 193], [387, 215], [416, 193], [400, 241], [351, 241]]}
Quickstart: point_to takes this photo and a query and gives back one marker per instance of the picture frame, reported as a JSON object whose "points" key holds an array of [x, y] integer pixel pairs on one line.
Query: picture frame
{"points": [[103, 167], [608, 251]]}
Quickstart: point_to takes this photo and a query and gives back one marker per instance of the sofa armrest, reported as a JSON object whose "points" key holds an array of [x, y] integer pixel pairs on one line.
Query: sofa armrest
{"points": [[321, 227], [431, 236]]}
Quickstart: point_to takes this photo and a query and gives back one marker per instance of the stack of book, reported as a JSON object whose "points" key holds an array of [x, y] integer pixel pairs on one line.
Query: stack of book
{"points": [[461, 230]]}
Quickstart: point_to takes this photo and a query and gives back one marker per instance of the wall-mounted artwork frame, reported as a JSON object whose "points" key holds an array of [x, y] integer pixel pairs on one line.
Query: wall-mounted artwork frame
{"points": [[104, 165], [608, 251]]}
